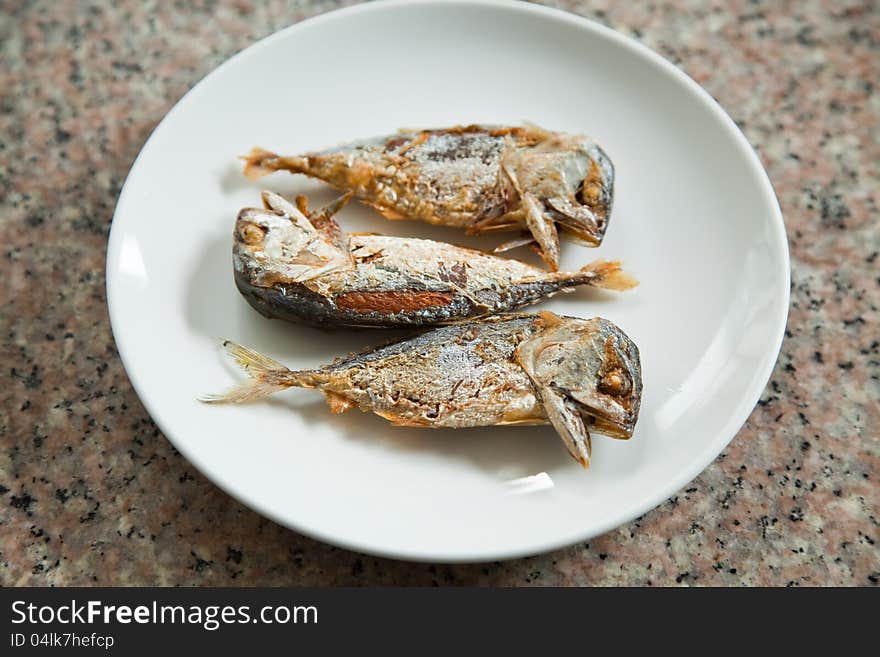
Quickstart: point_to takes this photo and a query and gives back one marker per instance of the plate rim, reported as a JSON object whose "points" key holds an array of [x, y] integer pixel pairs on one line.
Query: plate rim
{"points": [[699, 463]]}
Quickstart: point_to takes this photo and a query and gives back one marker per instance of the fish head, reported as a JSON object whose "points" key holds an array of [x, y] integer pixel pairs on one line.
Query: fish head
{"points": [[592, 366], [574, 179], [275, 230], [283, 243]]}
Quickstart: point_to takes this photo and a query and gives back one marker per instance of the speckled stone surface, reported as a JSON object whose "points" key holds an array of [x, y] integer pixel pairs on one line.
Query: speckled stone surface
{"points": [[91, 493]]}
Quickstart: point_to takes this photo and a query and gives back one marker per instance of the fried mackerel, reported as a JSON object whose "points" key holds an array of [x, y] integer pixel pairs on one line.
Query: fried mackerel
{"points": [[300, 266], [480, 178], [577, 375]]}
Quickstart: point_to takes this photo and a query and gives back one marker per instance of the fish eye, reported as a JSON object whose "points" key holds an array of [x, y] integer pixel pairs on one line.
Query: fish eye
{"points": [[251, 233], [615, 383], [589, 191]]}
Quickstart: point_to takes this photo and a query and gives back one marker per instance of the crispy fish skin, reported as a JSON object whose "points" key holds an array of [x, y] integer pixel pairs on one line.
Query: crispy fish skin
{"points": [[574, 374], [479, 178], [303, 268]]}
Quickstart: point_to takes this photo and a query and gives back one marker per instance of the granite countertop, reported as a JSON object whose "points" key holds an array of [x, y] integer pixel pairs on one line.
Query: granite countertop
{"points": [[92, 493]]}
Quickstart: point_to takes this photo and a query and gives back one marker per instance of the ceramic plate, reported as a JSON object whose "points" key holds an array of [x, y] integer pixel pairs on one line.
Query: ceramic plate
{"points": [[695, 219]]}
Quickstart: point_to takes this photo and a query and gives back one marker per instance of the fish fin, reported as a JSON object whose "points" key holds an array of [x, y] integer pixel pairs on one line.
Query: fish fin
{"points": [[522, 240], [338, 403], [280, 205], [608, 275], [327, 225], [574, 236], [302, 204], [260, 162], [399, 420], [388, 213], [490, 226], [549, 318], [334, 206], [569, 424], [578, 220], [527, 422], [321, 220], [265, 376], [542, 229], [420, 138], [411, 424], [534, 130], [256, 163]]}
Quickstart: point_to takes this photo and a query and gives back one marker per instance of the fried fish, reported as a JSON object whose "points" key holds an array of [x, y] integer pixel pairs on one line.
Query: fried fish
{"points": [[479, 178], [577, 375], [302, 267]]}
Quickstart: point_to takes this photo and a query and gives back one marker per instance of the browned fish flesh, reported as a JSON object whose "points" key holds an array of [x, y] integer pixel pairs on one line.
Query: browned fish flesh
{"points": [[300, 266], [480, 178], [577, 375]]}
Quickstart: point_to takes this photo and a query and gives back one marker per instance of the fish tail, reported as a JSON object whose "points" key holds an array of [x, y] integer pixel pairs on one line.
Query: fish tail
{"points": [[606, 274], [265, 377], [260, 162]]}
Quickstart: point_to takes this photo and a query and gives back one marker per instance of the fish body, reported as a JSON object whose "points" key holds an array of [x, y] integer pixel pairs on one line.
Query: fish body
{"points": [[479, 178], [574, 374], [300, 266]]}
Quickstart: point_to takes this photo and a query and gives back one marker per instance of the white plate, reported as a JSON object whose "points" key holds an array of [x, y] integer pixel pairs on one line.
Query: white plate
{"points": [[695, 219]]}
